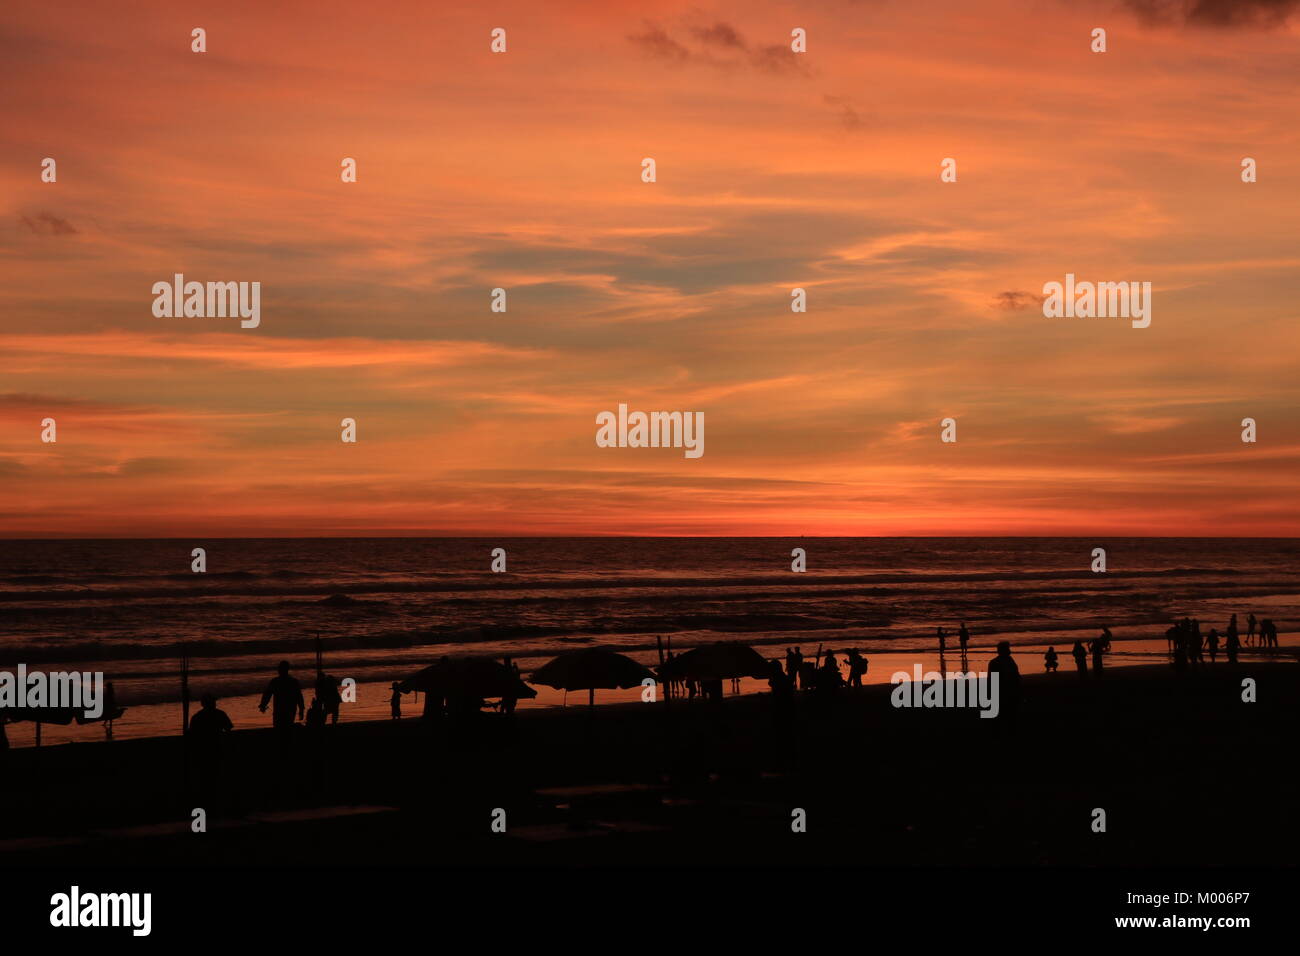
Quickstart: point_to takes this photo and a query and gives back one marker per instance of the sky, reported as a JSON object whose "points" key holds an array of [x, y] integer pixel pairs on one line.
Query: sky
{"points": [[774, 170]]}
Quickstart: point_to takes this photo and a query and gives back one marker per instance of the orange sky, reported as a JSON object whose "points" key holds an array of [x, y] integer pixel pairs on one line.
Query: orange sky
{"points": [[522, 170]]}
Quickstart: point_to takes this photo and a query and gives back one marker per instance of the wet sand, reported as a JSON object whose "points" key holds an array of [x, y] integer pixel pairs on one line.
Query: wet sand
{"points": [[1186, 772]]}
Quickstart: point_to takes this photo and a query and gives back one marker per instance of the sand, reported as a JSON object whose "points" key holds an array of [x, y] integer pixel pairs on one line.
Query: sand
{"points": [[1186, 772]]}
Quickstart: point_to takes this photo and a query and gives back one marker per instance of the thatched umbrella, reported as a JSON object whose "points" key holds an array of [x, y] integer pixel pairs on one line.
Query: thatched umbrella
{"points": [[468, 677], [589, 668], [718, 661], [38, 716]]}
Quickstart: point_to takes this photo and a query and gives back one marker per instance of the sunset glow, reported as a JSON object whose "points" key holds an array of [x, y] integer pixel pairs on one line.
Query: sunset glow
{"points": [[522, 172]]}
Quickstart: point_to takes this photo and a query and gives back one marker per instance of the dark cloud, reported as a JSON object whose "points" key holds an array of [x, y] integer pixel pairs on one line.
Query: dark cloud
{"points": [[1017, 301], [719, 45], [656, 42], [849, 117], [47, 224], [1215, 14], [720, 34], [779, 59]]}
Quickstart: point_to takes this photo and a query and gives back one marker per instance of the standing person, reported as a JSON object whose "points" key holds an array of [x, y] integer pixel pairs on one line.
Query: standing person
{"points": [[204, 735], [286, 693], [1232, 626], [1232, 646], [963, 636], [509, 701], [1080, 658], [1050, 660], [830, 676], [395, 702], [1004, 666], [798, 667], [857, 667], [943, 641], [1098, 649], [1212, 643], [1196, 641], [1250, 629]]}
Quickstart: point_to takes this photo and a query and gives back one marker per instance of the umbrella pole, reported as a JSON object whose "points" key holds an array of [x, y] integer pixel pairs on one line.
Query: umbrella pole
{"points": [[591, 698]]}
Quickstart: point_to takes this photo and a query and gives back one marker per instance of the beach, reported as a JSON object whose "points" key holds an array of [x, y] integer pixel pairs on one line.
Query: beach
{"points": [[1185, 770]]}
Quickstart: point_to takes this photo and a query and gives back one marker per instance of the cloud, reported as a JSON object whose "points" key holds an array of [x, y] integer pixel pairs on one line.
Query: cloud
{"points": [[47, 224], [720, 34], [849, 117], [1017, 301], [656, 42], [1215, 14], [718, 44]]}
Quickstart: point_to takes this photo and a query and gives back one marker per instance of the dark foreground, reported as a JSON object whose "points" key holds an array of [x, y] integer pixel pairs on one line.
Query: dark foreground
{"points": [[1186, 773]]}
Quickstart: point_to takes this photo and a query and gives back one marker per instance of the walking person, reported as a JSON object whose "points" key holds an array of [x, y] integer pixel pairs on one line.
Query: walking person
{"points": [[285, 693]]}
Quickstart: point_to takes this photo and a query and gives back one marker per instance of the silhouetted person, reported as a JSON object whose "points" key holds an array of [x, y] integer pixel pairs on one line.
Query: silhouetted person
{"points": [[1232, 628], [780, 681], [1212, 643], [286, 695], [395, 702], [1272, 633], [1050, 660], [315, 718], [1098, 650], [327, 692], [1080, 658], [1231, 646], [857, 667], [1250, 629], [943, 642], [206, 729], [798, 667], [829, 678], [1004, 666], [509, 701], [963, 637], [1194, 648]]}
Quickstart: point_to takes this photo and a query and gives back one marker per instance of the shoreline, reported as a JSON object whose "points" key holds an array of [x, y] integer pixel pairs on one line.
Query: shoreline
{"points": [[160, 719]]}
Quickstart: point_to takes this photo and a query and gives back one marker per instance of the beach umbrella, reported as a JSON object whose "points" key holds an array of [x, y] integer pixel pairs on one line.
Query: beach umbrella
{"points": [[474, 676], [718, 661], [589, 668], [41, 715]]}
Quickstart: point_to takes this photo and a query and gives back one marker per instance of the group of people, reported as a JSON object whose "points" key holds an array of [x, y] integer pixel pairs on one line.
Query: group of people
{"points": [[821, 673], [1187, 645], [963, 640], [1097, 648]]}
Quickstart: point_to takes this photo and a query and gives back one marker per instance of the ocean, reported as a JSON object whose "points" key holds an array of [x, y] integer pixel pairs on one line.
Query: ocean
{"points": [[384, 607]]}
